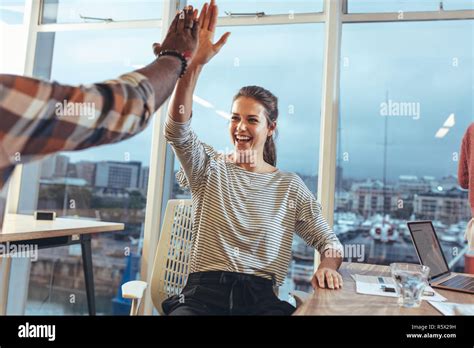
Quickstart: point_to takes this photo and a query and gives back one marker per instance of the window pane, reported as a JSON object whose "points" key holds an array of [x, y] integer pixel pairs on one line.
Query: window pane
{"points": [[107, 183], [270, 7], [295, 80], [73, 11], [378, 6], [12, 11], [13, 36], [406, 101], [374, 6], [458, 4]]}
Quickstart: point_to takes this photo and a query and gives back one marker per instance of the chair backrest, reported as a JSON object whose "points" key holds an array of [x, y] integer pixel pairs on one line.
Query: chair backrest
{"points": [[171, 264]]}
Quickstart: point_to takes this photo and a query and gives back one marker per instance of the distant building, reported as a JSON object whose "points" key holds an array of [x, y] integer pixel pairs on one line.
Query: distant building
{"points": [[339, 177], [47, 167], [118, 174], [411, 184], [144, 178], [370, 198], [448, 207], [54, 166], [86, 170], [448, 183], [343, 201]]}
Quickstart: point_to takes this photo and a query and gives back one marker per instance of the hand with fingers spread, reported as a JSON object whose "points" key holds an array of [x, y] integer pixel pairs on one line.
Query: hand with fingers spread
{"points": [[206, 49], [181, 103], [183, 34]]}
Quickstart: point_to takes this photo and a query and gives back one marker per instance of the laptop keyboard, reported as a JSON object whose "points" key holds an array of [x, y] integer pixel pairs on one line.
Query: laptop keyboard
{"points": [[460, 282]]}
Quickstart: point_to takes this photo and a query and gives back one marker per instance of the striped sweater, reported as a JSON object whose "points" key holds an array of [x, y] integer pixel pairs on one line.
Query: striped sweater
{"points": [[466, 165], [243, 221]]}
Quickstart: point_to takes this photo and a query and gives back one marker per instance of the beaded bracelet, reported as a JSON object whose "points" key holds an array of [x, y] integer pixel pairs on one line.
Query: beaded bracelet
{"points": [[181, 56]]}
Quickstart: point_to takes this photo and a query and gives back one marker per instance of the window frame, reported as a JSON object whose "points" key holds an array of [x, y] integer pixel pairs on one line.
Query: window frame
{"points": [[162, 160]]}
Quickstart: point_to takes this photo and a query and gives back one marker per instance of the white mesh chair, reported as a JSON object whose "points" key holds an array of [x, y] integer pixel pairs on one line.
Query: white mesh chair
{"points": [[171, 264]]}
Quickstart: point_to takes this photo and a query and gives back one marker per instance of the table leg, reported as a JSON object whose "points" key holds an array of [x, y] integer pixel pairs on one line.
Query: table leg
{"points": [[5, 265], [88, 272]]}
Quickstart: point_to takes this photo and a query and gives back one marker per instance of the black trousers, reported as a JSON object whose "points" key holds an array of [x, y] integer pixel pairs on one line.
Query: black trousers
{"points": [[226, 293]]}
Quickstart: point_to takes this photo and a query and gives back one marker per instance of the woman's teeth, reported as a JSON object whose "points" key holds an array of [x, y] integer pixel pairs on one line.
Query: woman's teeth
{"points": [[242, 139]]}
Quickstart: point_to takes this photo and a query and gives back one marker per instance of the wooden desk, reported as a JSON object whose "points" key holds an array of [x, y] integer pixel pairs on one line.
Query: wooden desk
{"points": [[347, 302], [25, 230]]}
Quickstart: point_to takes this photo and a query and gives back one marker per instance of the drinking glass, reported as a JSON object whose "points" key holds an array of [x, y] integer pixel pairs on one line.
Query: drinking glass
{"points": [[410, 281]]}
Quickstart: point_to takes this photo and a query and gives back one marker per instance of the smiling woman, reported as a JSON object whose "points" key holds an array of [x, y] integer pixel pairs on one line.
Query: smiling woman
{"points": [[245, 214], [254, 124], [299, 101]]}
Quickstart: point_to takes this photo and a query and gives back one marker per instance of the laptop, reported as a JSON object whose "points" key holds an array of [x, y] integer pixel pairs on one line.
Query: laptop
{"points": [[430, 254]]}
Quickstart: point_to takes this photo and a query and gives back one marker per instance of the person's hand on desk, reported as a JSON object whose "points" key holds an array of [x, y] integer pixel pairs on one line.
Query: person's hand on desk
{"points": [[326, 277], [327, 274]]}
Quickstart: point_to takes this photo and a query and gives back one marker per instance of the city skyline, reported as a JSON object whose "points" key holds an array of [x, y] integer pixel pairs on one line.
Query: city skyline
{"points": [[345, 177]]}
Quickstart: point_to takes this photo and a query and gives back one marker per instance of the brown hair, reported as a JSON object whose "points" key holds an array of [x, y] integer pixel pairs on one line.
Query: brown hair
{"points": [[270, 103]]}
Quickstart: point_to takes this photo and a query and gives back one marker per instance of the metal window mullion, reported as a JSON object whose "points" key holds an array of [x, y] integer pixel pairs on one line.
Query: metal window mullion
{"points": [[406, 16], [32, 10], [31, 14], [344, 7], [283, 19], [156, 180], [329, 112], [297, 18], [139, 24], [222, 21]]}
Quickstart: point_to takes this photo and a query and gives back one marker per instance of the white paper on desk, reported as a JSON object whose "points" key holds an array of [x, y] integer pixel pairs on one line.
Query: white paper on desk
{"points": [[369, 285], [451, 308]]}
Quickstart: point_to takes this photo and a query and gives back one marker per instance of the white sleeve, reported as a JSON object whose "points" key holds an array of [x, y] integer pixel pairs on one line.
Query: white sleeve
{"points": [[189, 150], [310, 224]]}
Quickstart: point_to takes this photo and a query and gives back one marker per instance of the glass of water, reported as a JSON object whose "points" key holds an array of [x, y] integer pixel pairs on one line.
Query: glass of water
{"points": [[410, 281]]}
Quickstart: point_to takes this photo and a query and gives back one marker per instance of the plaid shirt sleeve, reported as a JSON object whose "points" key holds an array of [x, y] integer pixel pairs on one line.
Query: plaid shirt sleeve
{"points": [[39, 118]]}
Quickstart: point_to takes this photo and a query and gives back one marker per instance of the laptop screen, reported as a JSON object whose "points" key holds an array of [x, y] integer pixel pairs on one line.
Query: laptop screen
{"points": [[428, 247]]}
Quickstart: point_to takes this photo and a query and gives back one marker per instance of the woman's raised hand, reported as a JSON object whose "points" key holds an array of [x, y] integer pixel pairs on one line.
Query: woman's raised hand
{"points": [[183, 33], [206, 48]]}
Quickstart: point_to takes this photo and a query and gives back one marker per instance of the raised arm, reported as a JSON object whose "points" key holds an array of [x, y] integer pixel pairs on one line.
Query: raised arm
{"points": [[163, 73], [187, 147], [180, 108], [41, 117]]}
